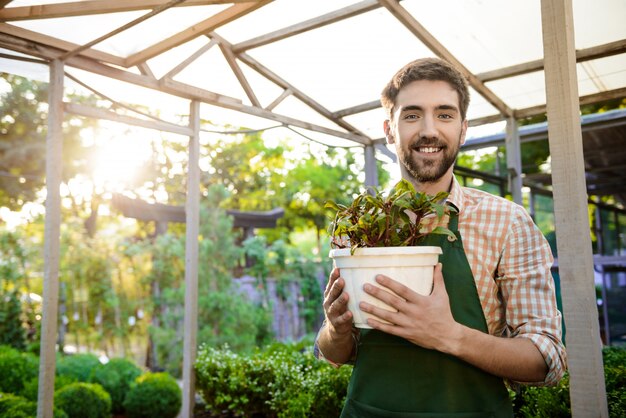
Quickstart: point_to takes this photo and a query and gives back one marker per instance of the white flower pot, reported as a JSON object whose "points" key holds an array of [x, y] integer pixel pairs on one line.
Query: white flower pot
{"points": [[411, 266]]}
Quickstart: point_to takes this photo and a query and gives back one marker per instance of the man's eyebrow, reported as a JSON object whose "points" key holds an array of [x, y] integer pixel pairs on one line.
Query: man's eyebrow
{"points": [[418, 107]]}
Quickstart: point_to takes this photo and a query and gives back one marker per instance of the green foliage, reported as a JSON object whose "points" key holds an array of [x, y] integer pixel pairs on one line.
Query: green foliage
{"points": [[384, 221], [280, 381], [12, 406], [16, 369], [554, 402], [285, 264], [83, 400], [78, 366], [224, 315], [116, 377], [153, 395], [23, 127], [11, 330], [31, 387]]}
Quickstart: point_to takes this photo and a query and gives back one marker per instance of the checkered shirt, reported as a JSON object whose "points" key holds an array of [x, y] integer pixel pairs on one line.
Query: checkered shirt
{"points": [[510, 260]]}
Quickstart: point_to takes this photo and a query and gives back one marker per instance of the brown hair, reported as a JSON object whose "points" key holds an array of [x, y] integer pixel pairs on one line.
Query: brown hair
{"points": [[434, 69]]}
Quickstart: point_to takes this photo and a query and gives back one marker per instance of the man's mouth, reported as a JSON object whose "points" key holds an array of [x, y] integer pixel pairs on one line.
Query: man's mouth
{"points": [[428, 150]]}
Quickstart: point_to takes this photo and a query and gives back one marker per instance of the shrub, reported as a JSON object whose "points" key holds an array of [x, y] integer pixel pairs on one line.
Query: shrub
{"points": [[78, 366], [16, 369], [83, 400], [153, 395], [282, 380], [116, 377], [554, 402], [12, 406], [31, 388]]}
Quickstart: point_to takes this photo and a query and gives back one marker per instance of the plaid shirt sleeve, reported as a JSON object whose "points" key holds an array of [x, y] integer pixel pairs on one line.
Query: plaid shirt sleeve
{"points": [[528, 293]]}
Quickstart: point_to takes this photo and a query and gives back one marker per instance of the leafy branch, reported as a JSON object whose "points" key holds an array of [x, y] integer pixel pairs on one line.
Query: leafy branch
{"points": [[392, 220]]}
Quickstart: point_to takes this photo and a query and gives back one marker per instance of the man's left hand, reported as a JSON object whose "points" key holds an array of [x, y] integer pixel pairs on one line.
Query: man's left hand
{"points": [[424, 320]]}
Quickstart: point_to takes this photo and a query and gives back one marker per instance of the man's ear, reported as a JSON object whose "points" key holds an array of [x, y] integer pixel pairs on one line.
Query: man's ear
{"points": [[388, 134], [464, 131]]}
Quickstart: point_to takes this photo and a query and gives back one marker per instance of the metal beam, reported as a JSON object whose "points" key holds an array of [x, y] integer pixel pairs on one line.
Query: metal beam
{"points": [[52, 244], [96, 113], [219, 19], [192, 228], [434, 45], [587, 387], [514, 160], [92, 7], [122, 28], [317, 22], [61, 45], [599, 51]]}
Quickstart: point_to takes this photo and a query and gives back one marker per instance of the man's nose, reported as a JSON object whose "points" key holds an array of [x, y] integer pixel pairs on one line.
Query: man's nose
{"points": [[428, 128]]}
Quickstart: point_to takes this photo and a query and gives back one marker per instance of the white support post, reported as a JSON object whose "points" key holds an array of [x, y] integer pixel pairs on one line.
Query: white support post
{"points": [[514, 160], [54, 149], [192, 211], [371, 174], [587, 387]]}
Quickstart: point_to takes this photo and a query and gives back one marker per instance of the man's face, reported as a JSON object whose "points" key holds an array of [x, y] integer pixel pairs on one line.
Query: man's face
{"points": [[427, 129]]}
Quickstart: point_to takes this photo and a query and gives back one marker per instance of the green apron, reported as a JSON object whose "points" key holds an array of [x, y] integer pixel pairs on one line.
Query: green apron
{"points": [[395, 378]]}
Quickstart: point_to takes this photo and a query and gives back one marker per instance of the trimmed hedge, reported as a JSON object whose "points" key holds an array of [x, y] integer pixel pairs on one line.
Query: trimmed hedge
{"points": [[280, 381], [16, 369], [116, 377], [77, 366], [554, 402], [83, 400], [12, 406], [153, 395]]}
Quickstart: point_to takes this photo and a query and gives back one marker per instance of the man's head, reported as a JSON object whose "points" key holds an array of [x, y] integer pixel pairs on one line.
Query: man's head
{"points": [[433, 69], [426, 103]]}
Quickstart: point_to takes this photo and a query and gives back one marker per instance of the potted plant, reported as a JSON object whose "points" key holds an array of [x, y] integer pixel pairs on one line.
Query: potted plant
{"points": [[381, 234]]}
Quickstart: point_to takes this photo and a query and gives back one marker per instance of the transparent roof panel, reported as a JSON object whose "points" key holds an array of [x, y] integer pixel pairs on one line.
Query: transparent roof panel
{"points": [[521, 92], [598, 22], [345, 63], [340, 65], [277, 15], [483, 34]]}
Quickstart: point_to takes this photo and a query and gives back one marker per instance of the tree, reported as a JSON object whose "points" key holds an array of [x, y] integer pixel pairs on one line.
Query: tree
{"points": [[23, 127]]}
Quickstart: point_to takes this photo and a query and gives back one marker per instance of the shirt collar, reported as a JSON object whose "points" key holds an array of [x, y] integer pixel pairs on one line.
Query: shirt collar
{"points": [[455, 196]]}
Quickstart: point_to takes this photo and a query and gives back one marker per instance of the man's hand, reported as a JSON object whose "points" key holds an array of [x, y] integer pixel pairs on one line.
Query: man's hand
{"points": [[427, 321], [424, 320], [335, 339]]}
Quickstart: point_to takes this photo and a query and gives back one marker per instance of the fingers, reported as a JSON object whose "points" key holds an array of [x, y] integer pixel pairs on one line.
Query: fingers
{"points": [[439, 286], [334, 275]]}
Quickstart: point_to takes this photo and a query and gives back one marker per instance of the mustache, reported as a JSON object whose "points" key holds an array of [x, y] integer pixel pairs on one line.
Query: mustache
{"points": [[428, 142]]}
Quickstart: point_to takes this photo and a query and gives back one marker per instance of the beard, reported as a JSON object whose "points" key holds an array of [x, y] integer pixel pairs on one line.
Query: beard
{"points": [[428, 170]]}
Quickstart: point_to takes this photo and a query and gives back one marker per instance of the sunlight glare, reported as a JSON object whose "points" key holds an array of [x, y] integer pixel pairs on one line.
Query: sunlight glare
{"points": [[119, 158]]}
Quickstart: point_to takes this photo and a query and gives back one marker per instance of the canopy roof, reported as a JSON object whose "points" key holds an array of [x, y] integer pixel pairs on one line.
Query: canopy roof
{"points": [[317, 66]]}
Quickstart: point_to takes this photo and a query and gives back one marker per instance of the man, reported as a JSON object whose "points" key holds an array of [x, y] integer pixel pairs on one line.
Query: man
{"points": [[491, 316]]}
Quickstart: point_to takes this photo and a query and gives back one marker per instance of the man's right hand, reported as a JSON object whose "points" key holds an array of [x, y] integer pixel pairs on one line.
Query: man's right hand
{"points": [[336, 340], [338, 317]]}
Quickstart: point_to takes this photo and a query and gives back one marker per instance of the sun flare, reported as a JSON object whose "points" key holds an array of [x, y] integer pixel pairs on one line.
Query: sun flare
{"points": [[119, 158]]}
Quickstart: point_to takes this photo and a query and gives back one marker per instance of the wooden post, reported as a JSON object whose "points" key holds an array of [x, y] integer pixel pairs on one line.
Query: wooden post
{"points": [[587, 388], [514, 160], [192, 210], [54, 149], [371, 175]]}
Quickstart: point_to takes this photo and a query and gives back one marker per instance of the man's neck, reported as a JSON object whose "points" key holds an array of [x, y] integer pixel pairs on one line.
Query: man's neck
{"points": [[444, 184]]}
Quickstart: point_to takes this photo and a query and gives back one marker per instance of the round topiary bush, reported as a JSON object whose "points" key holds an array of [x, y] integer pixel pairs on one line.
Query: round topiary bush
{"points": [[153, 395], [78, 366], [116, 377], [83, 400], [16, 369]]}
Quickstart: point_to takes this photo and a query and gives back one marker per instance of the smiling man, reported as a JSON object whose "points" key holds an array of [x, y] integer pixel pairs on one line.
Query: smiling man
{"points": [[491, 316]]}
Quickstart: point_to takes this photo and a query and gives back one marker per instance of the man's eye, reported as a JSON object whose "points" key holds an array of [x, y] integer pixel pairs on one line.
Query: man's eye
{"points": [[410, 116], [445, 116]]}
